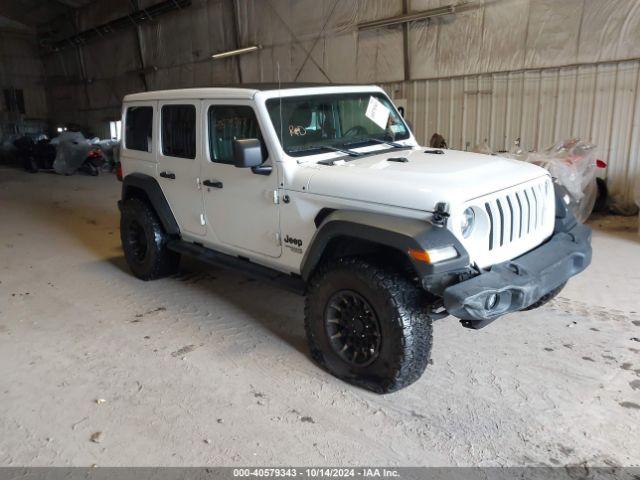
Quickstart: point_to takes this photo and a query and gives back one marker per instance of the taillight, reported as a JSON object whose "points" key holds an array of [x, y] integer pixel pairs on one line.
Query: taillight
{"points": [[119, 172], [95, 153]]}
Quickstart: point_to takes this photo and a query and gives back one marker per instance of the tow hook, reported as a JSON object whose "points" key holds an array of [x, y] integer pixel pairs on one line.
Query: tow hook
{"points": [[475, 324]]}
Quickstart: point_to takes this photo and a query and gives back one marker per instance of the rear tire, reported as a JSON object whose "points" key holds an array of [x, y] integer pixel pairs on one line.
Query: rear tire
{"points": [[144, 241], [545, 298], [368, 325]]}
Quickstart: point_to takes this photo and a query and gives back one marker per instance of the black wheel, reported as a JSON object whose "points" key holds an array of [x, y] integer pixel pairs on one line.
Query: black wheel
{"points": [[368, 325], [545, 298], [144, 242]]}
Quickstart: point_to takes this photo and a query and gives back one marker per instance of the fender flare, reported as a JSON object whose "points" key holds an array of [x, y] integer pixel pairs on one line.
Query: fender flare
{"points": [[153, 192], [399, 233]]}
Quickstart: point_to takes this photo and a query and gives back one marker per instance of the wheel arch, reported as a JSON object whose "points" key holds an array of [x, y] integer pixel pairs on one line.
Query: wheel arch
{"points": [[349, 232], [145, 187]]}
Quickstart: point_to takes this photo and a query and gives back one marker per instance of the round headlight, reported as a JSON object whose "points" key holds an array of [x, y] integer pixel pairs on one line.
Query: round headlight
{"points": [[467, 222]]}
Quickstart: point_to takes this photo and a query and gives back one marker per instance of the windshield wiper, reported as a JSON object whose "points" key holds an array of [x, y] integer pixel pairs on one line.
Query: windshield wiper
{"points": [[376, 140], [346, 151]]}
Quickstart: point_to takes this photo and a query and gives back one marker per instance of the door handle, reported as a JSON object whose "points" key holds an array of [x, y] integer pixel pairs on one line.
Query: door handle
{"points": [[212, 183], [169, 175]]}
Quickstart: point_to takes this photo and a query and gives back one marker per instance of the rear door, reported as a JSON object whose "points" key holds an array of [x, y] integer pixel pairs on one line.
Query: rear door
{"points": [[179, 160], [138, 152]]}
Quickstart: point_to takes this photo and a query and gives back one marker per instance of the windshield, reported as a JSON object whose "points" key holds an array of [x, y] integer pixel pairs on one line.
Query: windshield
{"points": [[320, 123]]}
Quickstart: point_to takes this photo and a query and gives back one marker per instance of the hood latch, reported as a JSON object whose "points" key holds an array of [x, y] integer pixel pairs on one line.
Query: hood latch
{"points": [[441, 214]]}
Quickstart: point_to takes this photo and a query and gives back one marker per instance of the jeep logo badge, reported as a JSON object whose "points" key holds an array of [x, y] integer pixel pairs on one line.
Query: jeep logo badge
{"points": [[293, 241], [294, 244]]}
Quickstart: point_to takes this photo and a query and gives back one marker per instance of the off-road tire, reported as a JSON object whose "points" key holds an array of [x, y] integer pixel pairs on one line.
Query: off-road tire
{"points": [[403, 313], [156, 261], [545, 298]]}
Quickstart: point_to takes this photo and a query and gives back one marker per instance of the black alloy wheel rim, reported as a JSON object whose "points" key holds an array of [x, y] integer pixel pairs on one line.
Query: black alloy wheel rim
{"points": [[137, 241], [352, 328]]}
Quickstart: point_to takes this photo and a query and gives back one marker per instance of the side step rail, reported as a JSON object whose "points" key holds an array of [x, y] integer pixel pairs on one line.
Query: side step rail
{"points": [[289, 282]]}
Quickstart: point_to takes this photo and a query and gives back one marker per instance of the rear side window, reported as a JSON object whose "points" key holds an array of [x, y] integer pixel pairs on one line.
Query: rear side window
{"points": [[139, 128], [229, 123], [179, 131]]}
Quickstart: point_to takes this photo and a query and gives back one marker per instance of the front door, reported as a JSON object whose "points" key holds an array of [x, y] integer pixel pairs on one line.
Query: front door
{"points": [[239, 204], [179, 161]]}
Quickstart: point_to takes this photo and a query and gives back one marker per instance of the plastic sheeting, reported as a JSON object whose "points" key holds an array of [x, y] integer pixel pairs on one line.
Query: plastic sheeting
{"points": [[72, 149], [510, 35], [110, 152], [572, 164], [485, 36]]}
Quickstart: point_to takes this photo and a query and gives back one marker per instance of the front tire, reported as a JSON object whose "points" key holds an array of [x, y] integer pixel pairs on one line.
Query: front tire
{"points": [[368, 325], [144, 242]]}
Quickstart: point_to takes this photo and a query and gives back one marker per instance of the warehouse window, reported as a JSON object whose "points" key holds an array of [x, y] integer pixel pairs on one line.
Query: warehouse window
{"points": [[115, 129], [179, 131], [139, 128], [229, 123]]}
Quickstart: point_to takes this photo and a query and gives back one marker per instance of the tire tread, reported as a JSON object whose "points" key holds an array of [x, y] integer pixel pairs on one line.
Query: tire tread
{"points": [[165, 262], [412, 321]]}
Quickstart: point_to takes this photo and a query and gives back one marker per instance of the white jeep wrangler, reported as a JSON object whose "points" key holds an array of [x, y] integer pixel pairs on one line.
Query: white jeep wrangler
{"points": [[324, 190]]}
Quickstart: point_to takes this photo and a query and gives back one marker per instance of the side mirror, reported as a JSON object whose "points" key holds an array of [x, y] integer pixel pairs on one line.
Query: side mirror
{"points": [[247, 153]]}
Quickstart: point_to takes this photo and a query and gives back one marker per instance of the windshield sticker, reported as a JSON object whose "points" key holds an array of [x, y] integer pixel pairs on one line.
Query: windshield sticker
{"points": [[297, 131], [377, 112]]}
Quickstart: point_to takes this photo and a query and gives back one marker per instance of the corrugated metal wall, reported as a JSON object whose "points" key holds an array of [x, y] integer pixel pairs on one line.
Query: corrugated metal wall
{"points": [[595, 102]]}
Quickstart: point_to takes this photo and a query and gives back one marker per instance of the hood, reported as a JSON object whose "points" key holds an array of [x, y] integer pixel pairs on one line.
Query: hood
{"points": [[423, 180]]}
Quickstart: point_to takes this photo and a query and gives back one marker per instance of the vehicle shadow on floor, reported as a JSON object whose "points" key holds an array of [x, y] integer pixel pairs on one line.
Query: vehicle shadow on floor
{"points": [[278, 311]]}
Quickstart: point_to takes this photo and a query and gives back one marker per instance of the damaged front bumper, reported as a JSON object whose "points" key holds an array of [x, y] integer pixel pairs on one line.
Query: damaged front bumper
{"points": [[518, 283]]}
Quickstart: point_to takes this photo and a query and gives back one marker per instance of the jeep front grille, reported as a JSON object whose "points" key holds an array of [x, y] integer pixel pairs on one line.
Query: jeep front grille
{"points": [[519, 219]]}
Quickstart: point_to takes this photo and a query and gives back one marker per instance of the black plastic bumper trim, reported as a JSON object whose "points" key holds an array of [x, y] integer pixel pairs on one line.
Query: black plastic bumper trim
{"points": [[521, 282]]}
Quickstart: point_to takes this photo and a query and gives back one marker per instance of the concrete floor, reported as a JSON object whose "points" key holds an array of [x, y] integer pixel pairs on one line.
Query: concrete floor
{"points": [[210, 368]]}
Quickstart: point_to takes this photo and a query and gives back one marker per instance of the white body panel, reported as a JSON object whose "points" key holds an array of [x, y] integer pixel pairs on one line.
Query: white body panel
{"points": [[244, 219]]}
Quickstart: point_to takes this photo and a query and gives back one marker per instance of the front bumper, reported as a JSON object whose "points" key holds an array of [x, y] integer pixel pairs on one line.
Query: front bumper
{"points": [[518, 283]]}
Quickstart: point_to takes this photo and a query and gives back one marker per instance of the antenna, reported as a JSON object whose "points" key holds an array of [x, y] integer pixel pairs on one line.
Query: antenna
{"points": [[280, 96]]}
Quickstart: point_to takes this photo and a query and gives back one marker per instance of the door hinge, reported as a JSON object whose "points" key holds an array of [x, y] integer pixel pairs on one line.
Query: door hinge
{"points": [[203, 220], [278, 239], [199, 185], [276, 197]]}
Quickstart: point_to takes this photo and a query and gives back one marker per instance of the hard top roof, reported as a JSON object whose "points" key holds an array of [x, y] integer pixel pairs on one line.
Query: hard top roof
{"points": [[237, 91]]}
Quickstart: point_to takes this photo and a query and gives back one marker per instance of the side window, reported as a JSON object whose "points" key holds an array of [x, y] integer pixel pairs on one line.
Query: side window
{"points": [[179, 131], [139, 128], [229, 123]]}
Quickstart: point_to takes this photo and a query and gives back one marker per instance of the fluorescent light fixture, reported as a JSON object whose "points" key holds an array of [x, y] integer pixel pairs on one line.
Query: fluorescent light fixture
{"points": [[238, 51], [413, 17]]}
